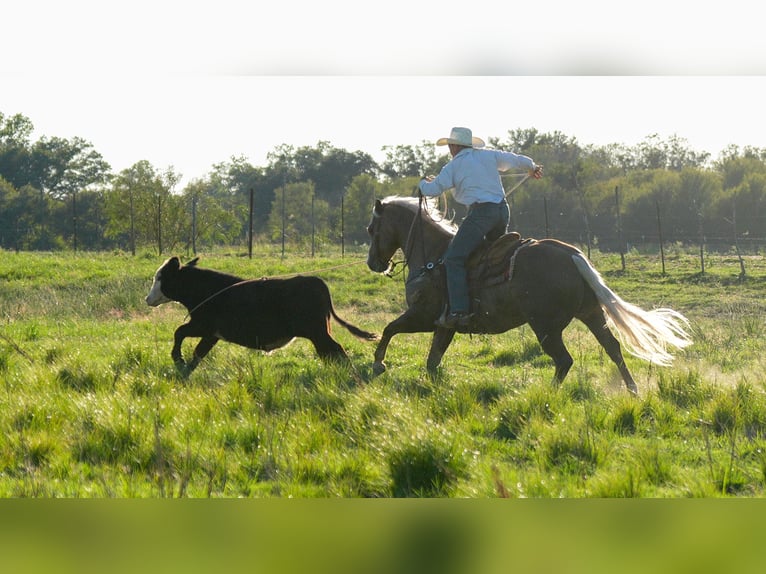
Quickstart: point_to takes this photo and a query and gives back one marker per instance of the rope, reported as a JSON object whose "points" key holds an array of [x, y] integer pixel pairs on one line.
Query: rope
{"points": [[314, 272], [524, 177], [515, 187], [16, 348]]}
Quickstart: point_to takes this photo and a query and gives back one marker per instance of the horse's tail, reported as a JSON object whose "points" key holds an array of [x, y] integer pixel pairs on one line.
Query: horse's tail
{"points": [[645, 334]]}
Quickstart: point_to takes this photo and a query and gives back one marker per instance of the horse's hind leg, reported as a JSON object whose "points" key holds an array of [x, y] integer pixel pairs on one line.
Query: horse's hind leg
{"points": [[596, 322], [441, 340], [552, 343]]}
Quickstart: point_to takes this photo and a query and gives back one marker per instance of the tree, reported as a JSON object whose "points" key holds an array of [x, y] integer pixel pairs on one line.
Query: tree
{"points": [[63, 167], [29, 224], [142, 209], [89, 218], [330, 168], [172, 215], [518, 140], [359, 200], [673, 154], [231, 183], [8, 215], [15, 152], [214, 223], [408, 161], [297, 213]]}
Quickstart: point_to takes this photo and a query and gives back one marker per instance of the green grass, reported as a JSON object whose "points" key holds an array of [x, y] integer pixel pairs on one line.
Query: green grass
{"points": [[91, 405]]}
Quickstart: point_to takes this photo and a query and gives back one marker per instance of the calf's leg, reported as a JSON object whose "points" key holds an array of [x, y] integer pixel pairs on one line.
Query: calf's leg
{"points": [[202, 349], [328, 348], [319, 334]]}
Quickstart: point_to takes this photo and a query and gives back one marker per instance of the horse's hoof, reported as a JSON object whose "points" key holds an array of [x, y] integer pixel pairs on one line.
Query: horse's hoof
{"points": [[378, 369]]}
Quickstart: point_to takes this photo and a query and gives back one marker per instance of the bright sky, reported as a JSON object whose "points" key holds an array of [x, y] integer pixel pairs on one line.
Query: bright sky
{"points": [[191, 84]]}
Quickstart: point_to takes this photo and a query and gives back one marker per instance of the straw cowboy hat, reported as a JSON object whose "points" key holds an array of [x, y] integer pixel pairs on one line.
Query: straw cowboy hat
{"points": [[461, 136]]}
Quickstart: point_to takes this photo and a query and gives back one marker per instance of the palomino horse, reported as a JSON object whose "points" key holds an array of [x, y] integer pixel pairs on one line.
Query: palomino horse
{"points": [[547, 283]]}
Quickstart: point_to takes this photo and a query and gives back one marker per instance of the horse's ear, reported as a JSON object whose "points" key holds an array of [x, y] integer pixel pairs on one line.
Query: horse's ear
{"points": [[193, 262], [377, 211]]}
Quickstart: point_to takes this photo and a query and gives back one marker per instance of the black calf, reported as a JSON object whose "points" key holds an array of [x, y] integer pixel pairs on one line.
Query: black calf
{"points": [[260, 314]]}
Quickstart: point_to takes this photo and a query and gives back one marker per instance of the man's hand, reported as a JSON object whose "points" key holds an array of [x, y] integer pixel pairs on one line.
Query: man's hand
{"points": [[537, 172]]}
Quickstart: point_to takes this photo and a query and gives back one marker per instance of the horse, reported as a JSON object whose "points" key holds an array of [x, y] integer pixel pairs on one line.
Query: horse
{"points": [[546, 284]]}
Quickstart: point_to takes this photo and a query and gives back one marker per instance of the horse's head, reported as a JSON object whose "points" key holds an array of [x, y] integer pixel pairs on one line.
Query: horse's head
{"points": [[409, 224], [384, 240]]}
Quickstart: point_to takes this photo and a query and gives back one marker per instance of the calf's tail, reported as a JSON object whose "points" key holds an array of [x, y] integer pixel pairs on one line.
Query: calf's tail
{"points": [[645, 334], [353, 329]]}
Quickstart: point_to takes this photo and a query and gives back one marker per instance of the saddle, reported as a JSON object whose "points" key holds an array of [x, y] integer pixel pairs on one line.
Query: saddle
{"points": [[490, 264]]}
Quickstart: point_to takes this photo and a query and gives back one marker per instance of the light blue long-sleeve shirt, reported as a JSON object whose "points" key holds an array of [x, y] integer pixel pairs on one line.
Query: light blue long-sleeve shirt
{"points": [[475, 175]]}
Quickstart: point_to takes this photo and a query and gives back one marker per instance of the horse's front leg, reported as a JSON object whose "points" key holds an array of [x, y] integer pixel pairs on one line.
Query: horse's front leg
{"points": [[411, 321], [441, 340]]}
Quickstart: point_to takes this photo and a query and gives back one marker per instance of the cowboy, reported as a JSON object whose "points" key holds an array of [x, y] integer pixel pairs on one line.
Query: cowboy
{"points": [[474, 174]]}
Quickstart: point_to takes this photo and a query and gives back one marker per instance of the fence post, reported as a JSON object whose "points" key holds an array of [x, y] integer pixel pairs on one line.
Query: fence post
{"points": [[250, 227], [619, 226], [74, 220], [159, 224], [702, 241], [342, 227], [284, 185], [132, 222], [313, 225], [194, 225], [659, 230], [736, 240]]}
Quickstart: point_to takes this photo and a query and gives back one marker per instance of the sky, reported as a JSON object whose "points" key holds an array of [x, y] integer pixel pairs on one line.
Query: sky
{"points": [[187, 86]]}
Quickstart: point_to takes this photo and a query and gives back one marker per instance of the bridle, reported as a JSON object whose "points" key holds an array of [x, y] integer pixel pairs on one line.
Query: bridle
{"points": [[409, 243]]}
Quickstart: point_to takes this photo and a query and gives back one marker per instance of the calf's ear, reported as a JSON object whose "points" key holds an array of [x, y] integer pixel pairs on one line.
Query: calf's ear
{"points": [[193, 262], [172, 263]]}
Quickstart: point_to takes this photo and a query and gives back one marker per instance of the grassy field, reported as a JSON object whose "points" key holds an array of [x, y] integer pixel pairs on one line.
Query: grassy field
{"points": [[91, 406]]}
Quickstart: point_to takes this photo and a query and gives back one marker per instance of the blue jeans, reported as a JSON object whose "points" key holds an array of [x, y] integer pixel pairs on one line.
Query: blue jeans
{"points": [[488, 220]]}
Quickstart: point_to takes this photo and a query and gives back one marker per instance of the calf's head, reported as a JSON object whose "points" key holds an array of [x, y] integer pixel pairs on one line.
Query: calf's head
{"points": [[164, 275]]}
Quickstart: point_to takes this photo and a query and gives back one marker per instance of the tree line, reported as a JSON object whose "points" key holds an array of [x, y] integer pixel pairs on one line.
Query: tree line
{"points": [[58, 193]]}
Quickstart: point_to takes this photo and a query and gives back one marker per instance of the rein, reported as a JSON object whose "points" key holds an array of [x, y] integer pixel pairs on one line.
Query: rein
{"points": [[409, 245]]}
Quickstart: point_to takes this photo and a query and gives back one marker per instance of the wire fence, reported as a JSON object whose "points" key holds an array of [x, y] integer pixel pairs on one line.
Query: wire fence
{"points": [[646, 234]]}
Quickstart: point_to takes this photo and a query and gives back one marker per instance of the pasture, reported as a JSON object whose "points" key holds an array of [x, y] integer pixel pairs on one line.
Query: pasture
{"points": [[91, 404]]}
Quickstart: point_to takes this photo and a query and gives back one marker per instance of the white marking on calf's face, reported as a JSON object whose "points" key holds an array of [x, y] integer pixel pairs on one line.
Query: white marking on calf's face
{"points": [[156, 296]]}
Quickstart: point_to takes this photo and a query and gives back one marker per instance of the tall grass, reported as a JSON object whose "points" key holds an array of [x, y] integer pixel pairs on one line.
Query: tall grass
{"points": [[91, 405]]}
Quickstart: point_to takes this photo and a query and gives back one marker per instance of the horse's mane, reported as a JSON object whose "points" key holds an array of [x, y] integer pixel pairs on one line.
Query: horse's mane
{"points": [[430, 210]]}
